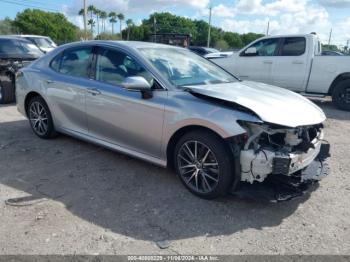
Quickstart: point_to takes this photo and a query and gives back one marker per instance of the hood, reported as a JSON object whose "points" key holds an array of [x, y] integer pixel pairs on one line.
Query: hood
{"points": [[272, 104]]}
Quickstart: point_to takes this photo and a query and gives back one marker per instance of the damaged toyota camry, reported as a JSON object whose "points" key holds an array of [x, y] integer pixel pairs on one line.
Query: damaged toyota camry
{"points": [[171, 107]]}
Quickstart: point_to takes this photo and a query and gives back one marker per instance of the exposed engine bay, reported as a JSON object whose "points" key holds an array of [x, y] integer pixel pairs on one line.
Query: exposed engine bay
{"points": [[274, 150]]}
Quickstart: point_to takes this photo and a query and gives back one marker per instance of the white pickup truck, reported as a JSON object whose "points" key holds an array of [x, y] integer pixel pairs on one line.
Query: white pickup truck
{"points": [[293, 62]]}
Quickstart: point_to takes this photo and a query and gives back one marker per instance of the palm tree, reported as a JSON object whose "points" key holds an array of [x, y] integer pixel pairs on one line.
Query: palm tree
{"points": [[91, 21], [129, 23], [103, 16], [97, 12], [121, 18], [82, 13], [113, 19]]}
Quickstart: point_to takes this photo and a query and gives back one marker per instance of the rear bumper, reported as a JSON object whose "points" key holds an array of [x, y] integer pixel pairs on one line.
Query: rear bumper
{"points": [[277, 188]]}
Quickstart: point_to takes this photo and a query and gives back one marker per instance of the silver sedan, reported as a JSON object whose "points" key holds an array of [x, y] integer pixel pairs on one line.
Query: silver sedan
{"points": [[173, 108]]}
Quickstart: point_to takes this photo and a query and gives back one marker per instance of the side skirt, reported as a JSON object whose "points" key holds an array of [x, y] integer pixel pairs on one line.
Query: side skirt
{"points": [[114, 147]]}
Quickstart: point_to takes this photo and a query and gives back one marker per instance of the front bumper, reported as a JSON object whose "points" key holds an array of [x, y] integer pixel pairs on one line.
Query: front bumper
{"points": [[277, 188], [257, 166]]}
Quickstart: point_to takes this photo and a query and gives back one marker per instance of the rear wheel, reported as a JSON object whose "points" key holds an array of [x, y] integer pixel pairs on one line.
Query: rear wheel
{"points": [[341, 95], [40, 118], [7, 94], [204, 164]]}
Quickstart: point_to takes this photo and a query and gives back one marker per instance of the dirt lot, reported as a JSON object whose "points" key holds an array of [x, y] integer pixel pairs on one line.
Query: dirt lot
{"points": [[89, 200]]}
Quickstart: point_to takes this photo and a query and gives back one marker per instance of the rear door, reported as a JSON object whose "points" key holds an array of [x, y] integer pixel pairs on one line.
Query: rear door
{"points": [[257, 67], [291, 66], [67, 84]]}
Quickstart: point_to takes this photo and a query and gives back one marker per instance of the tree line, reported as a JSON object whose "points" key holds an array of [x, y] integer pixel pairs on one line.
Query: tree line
{"points": [[102, 26]]}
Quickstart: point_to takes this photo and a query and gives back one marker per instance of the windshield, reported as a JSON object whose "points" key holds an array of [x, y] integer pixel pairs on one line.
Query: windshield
{"points": [[184, 68], [18, 47], [42, 42]]}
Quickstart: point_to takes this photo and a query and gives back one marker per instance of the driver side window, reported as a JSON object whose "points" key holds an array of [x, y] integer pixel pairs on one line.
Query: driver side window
{"points": [[113, 67], [266, 47]]}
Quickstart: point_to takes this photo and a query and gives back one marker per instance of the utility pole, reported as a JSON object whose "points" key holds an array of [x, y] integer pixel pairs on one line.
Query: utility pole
{"points": [[330, 37], [268, 28], [208, 42], [85, 22], [155, 28]]}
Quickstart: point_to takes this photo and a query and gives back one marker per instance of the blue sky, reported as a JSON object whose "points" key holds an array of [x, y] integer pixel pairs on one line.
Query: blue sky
{"points": [[285, 16]]}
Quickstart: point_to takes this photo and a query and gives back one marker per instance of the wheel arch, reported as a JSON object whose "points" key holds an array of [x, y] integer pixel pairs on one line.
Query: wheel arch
{"points": [[181, 132], [338, 79], [29, 97]]}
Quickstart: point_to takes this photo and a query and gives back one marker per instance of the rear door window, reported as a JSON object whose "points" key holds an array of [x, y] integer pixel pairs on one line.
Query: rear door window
{"points": [[293, 46], [75, 62]]}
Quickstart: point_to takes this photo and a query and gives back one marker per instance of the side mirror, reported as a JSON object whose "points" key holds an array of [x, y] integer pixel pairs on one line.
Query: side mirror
{"points": [[251, 51], [136, 83]]}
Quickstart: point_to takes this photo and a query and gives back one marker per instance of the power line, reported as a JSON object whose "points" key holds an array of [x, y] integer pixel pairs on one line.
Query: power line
{"points": [[40, 2], [29, 5]]}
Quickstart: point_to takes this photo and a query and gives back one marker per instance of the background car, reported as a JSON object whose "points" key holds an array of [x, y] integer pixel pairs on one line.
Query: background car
{"points": [[329, 52], [44, 43], [293, 62], [218, 55], [14, 53], [202, 51]]}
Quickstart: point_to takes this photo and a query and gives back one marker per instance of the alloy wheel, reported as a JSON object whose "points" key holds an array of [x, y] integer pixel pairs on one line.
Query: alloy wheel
{"points": [[38, 118], [198, 166]]}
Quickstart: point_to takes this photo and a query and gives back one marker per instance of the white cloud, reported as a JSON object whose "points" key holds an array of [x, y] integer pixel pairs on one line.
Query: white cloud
{"points": [[335, 3], [223, 11], [286, 17]]}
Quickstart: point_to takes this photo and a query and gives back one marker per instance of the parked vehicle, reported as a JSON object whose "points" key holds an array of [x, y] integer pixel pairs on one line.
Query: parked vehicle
{"points": [[218, 54], [293, 62], [44, 43], [202, 51], [329, 52], [173, 108], [14, 54]]}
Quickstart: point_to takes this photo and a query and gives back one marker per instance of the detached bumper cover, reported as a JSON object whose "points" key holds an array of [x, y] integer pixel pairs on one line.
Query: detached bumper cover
{"points": [[277, 187]]}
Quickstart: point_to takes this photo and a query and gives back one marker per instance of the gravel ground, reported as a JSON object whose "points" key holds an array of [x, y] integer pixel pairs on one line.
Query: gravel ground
{"points": [[89, 200]]}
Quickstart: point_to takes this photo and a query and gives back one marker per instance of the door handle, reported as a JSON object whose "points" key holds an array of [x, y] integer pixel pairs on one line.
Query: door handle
{"points": [[296, 62], [267, 62], [48, 81], [94, 91]]}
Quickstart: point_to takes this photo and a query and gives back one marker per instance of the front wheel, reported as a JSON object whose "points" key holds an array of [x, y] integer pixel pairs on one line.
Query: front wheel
{"points": [[40, 118], [341, 95], [204, 164]]}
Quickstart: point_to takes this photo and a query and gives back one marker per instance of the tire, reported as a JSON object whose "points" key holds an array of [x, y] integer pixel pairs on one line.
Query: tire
{"points": [[341, 95], [202, 176], [40, 118], [7, 94]]}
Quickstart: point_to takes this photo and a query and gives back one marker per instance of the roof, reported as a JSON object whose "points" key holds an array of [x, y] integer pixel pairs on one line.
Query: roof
{"points": [[9, 37], [291, 35], [38, 36], [125, 44]]}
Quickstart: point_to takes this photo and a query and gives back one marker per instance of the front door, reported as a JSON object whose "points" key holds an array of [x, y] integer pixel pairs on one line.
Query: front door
{"points": [[120, 116], [257, 66]]}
